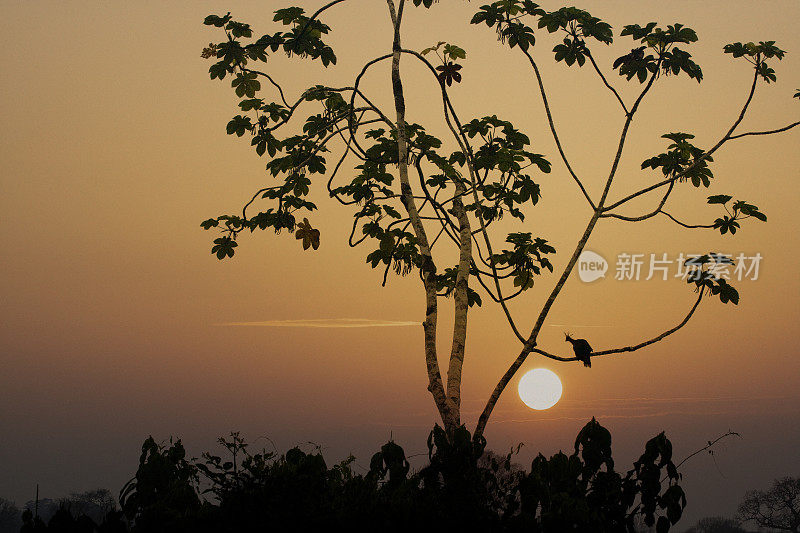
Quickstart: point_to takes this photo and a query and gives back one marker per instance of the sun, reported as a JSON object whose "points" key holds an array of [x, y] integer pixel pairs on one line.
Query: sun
{"points": [[540, 389]]}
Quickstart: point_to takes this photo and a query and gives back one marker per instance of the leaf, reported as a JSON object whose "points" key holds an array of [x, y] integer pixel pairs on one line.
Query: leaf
{"points": [[218, 70], [246, 84], [250, 104], [223, 247], [288, 15], [448, 73], [719, 199], [432, 48], [238, 125], [309, 235], [214, 20], [454, 52], [210, 223]]}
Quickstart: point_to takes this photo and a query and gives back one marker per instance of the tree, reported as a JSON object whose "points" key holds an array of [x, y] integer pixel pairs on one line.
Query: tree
{"points": [[95, 504], [716, 524], [413, 194], [777, 508], [10, 516]]}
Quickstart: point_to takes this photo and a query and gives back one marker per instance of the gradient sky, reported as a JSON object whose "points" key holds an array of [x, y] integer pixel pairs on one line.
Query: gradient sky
{"points": [[116, 319]]}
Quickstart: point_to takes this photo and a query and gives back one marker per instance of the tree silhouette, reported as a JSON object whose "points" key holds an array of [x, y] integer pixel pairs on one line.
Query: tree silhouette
{"points": [[716, 524], [777, 508], [461, 488], [420, 200], [10, 516]]}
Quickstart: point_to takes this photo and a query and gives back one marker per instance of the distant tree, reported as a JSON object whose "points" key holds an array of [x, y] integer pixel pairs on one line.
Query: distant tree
{"points": [[63, 521], [44, 509], [32, 524], [414, 195], [10, 517], [716, 524], [777, 508], [95, 504]]}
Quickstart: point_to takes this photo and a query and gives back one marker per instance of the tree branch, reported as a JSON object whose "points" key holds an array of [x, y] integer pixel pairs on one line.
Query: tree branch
{"points": [[605, 81], [689, 226], [779, 130], [705, 155], [635, 346], [553, 129], [530, 343]]}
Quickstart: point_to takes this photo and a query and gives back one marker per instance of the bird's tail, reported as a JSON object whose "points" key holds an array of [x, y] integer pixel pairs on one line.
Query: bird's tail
{"points": [[587, 362]]}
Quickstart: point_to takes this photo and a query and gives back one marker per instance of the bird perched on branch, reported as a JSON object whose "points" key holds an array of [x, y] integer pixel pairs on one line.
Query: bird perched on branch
{"points": [[637, 54], [582, 350]]}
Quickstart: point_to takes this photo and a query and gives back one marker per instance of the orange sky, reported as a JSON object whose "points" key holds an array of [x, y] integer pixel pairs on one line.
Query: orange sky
{"points": [[114, 149]]}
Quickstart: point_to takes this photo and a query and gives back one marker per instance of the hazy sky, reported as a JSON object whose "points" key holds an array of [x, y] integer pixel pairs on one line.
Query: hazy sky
{"points": [[118, 323]]}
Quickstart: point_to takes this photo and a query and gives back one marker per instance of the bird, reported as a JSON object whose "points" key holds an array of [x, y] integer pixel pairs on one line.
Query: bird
{"points": [[582, 350], [637, 54]]}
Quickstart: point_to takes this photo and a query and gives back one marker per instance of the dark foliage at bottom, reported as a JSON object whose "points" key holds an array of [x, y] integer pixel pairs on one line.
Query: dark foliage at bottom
{"points": [[463, 487]]}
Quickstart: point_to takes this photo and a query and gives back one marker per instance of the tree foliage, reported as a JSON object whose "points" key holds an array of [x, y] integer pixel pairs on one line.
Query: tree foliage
{"points": [[412, 194]]}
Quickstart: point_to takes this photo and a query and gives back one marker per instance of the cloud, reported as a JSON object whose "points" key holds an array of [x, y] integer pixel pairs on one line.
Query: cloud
{"points": [[326, 323], [578, 326]]}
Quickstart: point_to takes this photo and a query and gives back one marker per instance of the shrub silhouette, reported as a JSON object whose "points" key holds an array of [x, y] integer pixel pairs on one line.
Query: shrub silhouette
{"points": [[297, 491], [162, 495]]}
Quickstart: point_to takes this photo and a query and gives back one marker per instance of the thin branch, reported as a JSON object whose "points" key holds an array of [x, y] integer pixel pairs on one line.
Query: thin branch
{"points": [[690, 226], [315, 15], [705, 155], [636, 346], [709, 445], [645, 216], [553, 129], [272, 81], [605, 81], [779, 130]]}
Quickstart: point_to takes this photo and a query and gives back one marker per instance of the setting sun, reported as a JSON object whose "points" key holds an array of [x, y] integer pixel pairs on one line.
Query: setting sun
{"points": [[540, 389]]}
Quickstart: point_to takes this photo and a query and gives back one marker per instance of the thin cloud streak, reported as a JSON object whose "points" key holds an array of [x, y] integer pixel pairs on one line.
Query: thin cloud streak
{"points": [[580, 326], [325, 323]]}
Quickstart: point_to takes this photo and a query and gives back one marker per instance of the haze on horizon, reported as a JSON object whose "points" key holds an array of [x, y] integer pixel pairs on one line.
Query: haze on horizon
{"points": [[117, 323]]}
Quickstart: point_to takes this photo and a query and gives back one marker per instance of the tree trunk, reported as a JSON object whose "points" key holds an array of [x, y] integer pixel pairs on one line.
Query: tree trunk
{"points": [[448, 412]]}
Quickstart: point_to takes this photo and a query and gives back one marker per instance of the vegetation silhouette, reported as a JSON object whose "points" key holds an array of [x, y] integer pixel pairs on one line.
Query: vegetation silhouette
{"points": [[777, 508], [461, 487], [716, 524], [432, 206]]}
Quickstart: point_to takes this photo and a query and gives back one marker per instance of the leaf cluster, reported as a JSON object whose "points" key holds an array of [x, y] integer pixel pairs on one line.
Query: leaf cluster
{"points": [[707, 278], [756, 54], [684, 159], [525, 259], [666, 57], [739, 210]]}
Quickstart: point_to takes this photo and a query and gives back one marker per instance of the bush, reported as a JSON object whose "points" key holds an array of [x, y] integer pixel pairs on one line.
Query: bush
{"points": [[462, 487]]}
